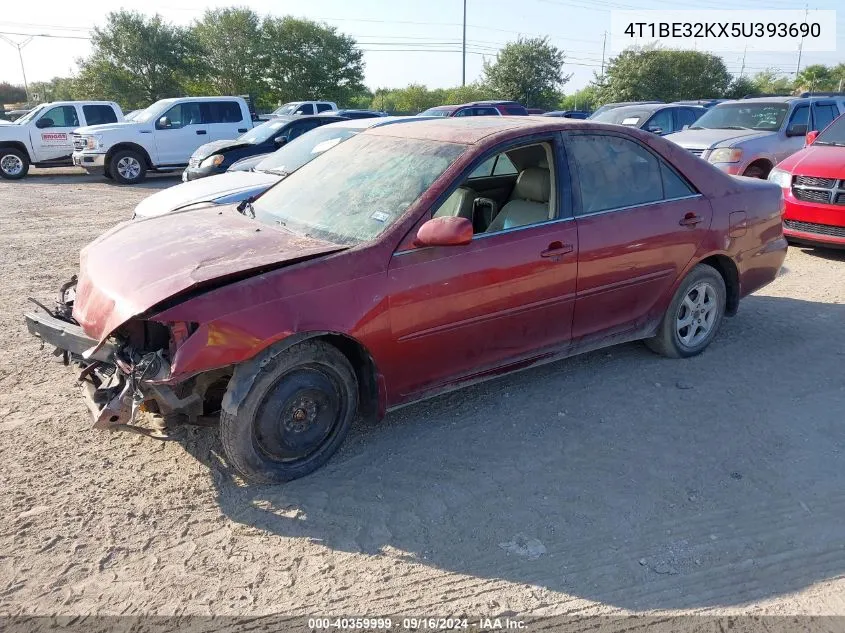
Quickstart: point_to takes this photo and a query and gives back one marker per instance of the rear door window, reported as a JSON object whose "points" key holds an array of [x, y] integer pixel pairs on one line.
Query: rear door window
{"points": [[98, 114], [220, 112], [614, 173], [485, 112], [823, 115], [323, 107]]}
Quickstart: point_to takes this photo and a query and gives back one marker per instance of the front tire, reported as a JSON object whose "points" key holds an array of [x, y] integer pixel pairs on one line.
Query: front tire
{"points": [[693, 316], [127, 167], [14, 164], [294, 417]]}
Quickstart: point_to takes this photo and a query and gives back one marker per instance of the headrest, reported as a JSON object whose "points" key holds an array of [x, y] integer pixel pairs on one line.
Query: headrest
{"points": [[533, 184]]}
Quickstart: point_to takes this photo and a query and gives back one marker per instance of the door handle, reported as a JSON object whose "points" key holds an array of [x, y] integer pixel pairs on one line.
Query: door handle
{"points": [[556, 249], [242, 130], [691, 219], [201, 132]]}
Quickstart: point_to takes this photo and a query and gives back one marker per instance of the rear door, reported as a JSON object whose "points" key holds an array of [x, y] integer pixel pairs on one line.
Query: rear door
{"points": [[50, 133], [223, 119], [639, 225]]}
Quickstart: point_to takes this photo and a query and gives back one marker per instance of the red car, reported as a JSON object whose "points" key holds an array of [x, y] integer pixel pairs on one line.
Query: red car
{"points": [[410, 260], [813, 182]]}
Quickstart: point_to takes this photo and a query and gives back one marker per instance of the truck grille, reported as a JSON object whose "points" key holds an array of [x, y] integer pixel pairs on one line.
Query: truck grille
{"points": [[818, 229], [78, 143], [822, 190]]}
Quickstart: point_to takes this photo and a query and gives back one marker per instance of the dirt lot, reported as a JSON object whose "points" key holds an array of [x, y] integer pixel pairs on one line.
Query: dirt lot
{"points": [[617, 481]]}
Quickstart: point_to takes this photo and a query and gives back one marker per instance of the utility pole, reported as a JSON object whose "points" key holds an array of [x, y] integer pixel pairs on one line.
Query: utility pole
{"points": [[19, 46], [603, 46], [801, 44], [464, 49]]}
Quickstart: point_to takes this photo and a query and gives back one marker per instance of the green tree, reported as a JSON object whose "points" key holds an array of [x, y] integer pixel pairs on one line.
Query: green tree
{"points": [[302, 59], [138, 60], [741, 87], [10, 93], [230, 40], [771, 81], [529, 70], [585, 99], [57, 89], [667, 75], [465, 94]]}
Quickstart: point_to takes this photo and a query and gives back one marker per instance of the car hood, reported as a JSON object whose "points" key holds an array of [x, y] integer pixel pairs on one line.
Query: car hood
{"points": [[106, 127], [137, 265], [215, 147], [821, 161], [710, 138], [206, 190]]}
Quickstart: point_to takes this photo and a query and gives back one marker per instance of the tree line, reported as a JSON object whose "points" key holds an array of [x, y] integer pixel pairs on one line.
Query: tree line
{"points": [[137, 59]]}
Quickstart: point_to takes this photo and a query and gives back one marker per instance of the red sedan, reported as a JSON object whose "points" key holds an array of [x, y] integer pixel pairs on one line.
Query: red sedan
{"points": [[813, 182], [407, 261]]}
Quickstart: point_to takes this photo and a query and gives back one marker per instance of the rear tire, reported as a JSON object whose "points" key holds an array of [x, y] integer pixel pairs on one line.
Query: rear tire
{"points": [[14, 164], [127, 167], [694, 315], [295, 415]]}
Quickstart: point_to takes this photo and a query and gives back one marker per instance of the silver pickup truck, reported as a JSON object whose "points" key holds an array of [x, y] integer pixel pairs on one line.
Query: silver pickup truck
{"points": [[750, 136]]}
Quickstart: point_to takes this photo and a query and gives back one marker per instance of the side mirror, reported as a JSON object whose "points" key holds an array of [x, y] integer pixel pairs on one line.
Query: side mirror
{"points": [[655, 130], [797, 129], [163, 123], [445, 231], [44, 122], [280, 140], [811, 137]]}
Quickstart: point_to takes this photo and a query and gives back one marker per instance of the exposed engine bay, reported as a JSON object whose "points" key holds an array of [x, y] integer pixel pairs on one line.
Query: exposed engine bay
{"points": [[122, 379]]}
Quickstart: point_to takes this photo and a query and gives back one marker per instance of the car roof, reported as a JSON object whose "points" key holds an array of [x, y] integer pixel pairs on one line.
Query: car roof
{"points": [[472, 130], [378, 121]]}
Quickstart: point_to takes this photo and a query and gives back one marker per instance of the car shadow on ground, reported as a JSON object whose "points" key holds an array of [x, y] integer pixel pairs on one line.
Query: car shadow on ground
{"points": [[833, 254], [619, 476], [73, 176]]}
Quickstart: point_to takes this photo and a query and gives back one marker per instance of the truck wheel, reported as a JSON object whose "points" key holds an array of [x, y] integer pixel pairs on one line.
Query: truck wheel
{"points": [[14, 164], [295, 415], [693, 316], [127, 167]]}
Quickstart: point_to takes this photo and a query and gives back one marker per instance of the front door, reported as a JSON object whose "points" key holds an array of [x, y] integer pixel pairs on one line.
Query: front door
{"points": [[639, 225], [181, 133], [51, 133], [459, 310]]}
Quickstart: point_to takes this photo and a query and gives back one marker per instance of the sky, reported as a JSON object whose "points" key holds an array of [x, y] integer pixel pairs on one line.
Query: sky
{"points": [[404, 41]]}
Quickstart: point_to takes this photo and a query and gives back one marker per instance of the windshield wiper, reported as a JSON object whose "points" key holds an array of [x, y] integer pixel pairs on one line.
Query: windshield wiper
{"points": [[733, 127], [833, 143], [277, 172], [245, 207]]}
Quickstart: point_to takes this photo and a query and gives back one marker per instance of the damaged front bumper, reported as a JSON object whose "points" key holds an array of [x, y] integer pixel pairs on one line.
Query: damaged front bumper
{"points": [[117, 382]]}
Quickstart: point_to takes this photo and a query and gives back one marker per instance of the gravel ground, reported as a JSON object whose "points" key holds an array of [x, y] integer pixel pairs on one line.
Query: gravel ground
{"points": [[609, 483]]}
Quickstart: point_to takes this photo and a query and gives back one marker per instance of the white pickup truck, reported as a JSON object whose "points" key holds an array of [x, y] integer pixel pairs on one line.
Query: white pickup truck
{"points": [[160, 138], [42, 137]]}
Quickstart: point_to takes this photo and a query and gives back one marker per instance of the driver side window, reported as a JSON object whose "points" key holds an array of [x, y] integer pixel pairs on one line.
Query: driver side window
{"points": [[183, 114], [509, 190], [62, 116]]}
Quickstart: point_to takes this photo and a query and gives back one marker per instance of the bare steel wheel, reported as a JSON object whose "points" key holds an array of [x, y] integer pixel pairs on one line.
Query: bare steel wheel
{"points": [[14, 164], [127, 167], [295, 415], [693, 316]]}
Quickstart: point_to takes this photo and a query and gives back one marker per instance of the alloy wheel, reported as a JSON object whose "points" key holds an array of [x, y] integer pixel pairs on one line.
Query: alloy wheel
{"points": [[11, 165], [696, 314]]}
